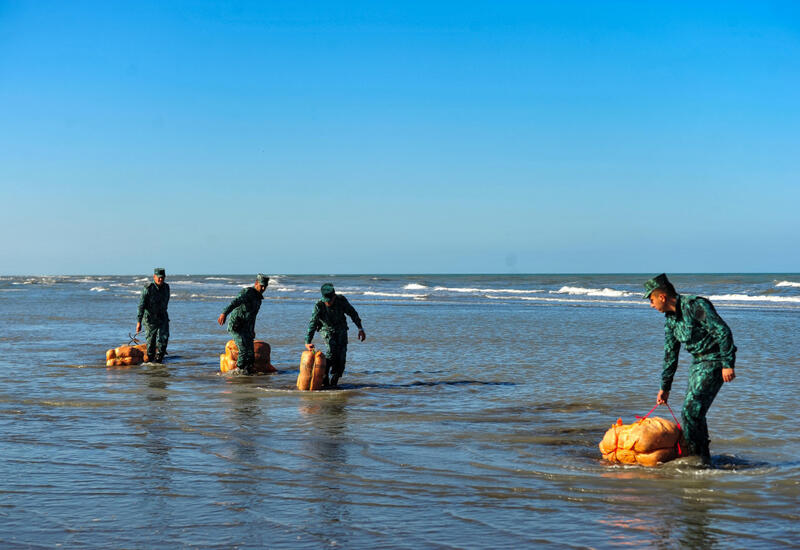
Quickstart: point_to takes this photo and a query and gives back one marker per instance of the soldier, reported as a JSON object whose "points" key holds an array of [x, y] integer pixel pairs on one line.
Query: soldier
{"points": [[242, 322], [693, 321], [329, 315], [153, 309]]}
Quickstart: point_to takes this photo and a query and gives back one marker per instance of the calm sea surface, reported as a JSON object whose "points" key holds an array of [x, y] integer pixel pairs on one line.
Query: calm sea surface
{"points": [[469, 418]]}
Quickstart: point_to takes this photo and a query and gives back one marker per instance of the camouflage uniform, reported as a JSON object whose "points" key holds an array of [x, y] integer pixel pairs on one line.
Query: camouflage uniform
{"points": [[331, 320], [697, 324], [153, 311], [242, 325]]}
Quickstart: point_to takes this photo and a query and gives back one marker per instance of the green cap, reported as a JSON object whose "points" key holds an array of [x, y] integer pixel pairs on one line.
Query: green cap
{"points": [[159, 271], [327, 291], [659, 281], [262, 279]]}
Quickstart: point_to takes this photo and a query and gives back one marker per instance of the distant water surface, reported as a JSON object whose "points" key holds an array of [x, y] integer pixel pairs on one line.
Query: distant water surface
{"points": [[468, 419]]}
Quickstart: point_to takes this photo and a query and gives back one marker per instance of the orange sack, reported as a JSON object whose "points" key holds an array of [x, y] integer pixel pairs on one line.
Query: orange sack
{"points": [[312, 371], [262, 365], [125, 356], [646, 442]]}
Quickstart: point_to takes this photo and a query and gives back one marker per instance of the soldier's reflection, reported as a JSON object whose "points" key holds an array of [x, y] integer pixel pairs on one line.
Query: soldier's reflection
{"points": [[326, 416]]}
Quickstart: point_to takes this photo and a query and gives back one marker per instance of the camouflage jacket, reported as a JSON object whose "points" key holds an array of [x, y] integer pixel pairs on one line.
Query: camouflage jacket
{"points": [[153, 304], [707, 337], [243, 311], [331, 319]]}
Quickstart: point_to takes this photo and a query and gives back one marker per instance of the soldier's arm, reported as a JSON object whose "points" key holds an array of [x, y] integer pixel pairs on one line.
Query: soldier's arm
{"points": [[351, 311], [314, 324], [142, 303], [719, 329], [236, 302], [671, 349]]}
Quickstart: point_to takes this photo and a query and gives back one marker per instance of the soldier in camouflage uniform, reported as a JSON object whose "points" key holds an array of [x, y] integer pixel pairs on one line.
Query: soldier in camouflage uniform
{"points": [[153, 310], [693, 321], [329, 315], [242, 322]]}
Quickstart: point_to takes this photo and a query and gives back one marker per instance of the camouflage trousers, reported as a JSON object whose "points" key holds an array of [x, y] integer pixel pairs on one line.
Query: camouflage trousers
{"points": [[247, 355], [157, 336], [337, 353], [705, 380]]}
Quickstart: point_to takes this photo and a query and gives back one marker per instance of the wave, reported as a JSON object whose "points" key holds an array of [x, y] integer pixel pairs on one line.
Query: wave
{"points": [[98, 289], [395, 295], [581, 291], [414, 286], [570, 301], [748, 298], [486, 290], [788, 283]]}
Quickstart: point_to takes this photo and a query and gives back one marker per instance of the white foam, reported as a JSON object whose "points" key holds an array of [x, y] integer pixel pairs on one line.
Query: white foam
{"points": [[569, 300], [486, 290], [788, 283], [395, 294], [748, 298], [580, 291], [414, 286], [98, 289]]}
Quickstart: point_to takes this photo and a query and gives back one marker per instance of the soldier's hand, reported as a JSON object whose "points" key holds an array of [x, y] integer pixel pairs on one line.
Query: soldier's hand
{"points": [[138, 328], [362, 335], [310, 347], [221, 319], [662, 397], [728, 375]]}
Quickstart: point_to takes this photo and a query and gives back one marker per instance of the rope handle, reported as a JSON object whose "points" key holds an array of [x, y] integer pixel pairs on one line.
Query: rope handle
{"points": [[680, 451], [133, 339]]}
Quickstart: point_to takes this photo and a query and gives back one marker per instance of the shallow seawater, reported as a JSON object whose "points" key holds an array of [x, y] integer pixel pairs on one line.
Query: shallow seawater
{"points": [[469, 418]]}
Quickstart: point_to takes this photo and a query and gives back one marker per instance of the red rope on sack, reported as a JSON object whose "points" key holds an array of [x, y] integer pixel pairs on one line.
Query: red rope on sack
{"points": [[680, 452], [648, 414]]}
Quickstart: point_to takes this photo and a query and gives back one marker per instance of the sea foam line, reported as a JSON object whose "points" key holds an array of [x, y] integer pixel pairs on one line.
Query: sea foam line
{"points": [[788, 283], [606, 292], [748, 298], [395, 294], [486, 290]]}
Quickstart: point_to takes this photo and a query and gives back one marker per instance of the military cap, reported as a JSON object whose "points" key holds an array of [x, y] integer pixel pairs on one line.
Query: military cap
{"points": [[262, 279], [659, 281], [327, 291], [160, 272]]}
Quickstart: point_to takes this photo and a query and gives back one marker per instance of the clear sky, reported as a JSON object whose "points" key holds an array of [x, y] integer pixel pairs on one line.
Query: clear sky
{"points": [[399, 137]]}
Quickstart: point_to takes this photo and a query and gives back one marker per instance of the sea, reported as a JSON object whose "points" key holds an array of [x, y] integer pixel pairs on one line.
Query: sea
{"points": [[469, 418]]}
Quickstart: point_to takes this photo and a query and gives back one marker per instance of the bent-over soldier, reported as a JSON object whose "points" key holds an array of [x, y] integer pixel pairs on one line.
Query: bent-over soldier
{"points": [[242, 321], [329, 316], [693, 321]]}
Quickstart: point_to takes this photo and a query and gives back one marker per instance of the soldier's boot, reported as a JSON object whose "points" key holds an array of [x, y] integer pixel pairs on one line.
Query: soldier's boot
{"points": [[334, 381], [159, 358]]}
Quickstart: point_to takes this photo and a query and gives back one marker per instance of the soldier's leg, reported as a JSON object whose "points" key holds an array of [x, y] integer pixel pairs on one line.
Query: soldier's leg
{"points": [[163, 340], [705, 381], [151, 335], [339, 352], [329, 359], [246, 352], [242, 360]]}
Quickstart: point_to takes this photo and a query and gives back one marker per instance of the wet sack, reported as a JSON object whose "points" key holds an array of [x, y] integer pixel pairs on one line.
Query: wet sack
{"points": [[126, 356], [262, 351], [312, 371], [647, 442]]}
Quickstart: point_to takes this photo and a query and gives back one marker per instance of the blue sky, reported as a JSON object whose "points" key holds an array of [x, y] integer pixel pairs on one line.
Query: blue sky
{"points": [[399, 137]]}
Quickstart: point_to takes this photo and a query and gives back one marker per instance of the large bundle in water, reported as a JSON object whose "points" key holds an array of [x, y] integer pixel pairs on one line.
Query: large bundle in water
{"points": [[262, 350], [647, 442], [312, 371], [125, 356]]}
